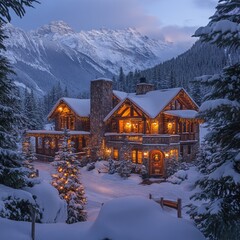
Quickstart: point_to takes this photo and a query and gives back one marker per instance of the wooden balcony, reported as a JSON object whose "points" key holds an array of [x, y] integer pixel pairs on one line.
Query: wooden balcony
{"points": [[123, 137], [188, 137], [165, 139], [145, 139]]}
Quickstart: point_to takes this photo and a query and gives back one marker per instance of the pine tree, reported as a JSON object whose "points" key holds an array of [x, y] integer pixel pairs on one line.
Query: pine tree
{"points": [[67, 182], [11, 172], [218, 216], [121, 80]]}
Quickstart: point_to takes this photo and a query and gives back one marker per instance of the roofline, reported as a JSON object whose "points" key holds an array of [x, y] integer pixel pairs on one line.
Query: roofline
{"points": [[126, 98], [119, 104], [58, 102], [190, 98]]}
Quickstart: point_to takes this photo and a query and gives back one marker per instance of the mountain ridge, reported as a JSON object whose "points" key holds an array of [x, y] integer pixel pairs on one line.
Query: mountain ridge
{"points": [[56, 53]]}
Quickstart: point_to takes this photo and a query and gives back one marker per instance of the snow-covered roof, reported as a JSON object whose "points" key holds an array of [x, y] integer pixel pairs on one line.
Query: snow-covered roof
{"points": [[151, 103], [119, 94], [51, 132], [105, 79], [80, 106], [182, 113]]}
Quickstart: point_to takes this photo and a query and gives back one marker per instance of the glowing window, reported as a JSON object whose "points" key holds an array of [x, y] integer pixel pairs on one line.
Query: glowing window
{"points": [[115, 154]]}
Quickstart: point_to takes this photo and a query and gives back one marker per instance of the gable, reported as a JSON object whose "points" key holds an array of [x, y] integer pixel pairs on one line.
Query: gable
{"points": [[125, 109], [182, 101], [80, 107], [151, 103]]}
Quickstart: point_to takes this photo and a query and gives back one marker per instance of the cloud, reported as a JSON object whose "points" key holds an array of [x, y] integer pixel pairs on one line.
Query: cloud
{"points": [[90, 14]]}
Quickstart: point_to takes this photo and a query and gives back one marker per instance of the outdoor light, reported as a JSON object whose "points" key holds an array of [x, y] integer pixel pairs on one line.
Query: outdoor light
{"points": [[170, 125], [145, 154]]}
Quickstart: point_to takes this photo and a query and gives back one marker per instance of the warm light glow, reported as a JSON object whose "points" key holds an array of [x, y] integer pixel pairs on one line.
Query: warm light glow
{"points": [[145, 154], [128, 124], [170, 125], [60, 109], [167, 155]]}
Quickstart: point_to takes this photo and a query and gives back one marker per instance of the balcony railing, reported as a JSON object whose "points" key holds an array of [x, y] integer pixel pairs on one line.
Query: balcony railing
{"points": [[143, 138], [188, 136], [161, 139], [122, 137]]}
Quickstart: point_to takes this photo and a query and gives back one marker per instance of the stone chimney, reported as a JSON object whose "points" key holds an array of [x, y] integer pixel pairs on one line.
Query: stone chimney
{"points": [[143, 87], [101, 104]]}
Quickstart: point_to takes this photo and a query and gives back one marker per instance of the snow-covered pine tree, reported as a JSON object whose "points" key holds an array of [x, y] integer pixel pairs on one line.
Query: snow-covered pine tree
{"points": [[66, 180], [218, 216], [11, 172]]}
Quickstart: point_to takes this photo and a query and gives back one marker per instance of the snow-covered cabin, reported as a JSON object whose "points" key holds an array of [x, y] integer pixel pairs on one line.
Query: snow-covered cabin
{"points": [[148, 126]]}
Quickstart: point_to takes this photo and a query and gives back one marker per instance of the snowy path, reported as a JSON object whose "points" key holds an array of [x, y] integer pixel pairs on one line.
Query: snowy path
{"points": [[102, 187]]}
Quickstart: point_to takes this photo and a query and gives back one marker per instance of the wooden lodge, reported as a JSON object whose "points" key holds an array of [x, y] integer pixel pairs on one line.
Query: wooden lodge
{"points": [[148, 126]]}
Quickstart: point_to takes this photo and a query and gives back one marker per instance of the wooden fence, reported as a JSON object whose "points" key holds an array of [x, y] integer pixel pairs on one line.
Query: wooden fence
{"points": [[169, 203]]}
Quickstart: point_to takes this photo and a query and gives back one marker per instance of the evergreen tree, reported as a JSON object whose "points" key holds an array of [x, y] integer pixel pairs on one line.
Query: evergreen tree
{"points": [[121, 80], [11, 173], [218, 216], [67, 182]]}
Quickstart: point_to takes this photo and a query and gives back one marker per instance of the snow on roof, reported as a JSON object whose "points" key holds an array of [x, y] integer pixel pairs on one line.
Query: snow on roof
{"points": [[80, 106], [98, 79], [182, 113], [152, 103], [49, 132], [119, 94]]}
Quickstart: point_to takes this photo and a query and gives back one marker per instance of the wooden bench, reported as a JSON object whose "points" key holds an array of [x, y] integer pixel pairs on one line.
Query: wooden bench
{"points": [[169, 203]]}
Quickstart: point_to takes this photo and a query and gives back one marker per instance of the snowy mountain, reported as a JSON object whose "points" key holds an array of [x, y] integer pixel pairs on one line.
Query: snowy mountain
{"points": [[55, 52]]}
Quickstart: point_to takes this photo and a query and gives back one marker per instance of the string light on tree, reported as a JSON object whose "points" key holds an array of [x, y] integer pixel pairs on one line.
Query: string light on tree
{"points": [[66, 180]]}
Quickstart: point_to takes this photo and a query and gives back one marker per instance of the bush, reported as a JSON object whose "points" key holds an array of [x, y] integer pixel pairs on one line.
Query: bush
{"points": [[173, 165], [125, 167], [19, 209]]}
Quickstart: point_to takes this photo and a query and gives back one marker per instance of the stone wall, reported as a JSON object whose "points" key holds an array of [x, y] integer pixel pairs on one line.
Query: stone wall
{"points": [[143, 88], [101, 105]]}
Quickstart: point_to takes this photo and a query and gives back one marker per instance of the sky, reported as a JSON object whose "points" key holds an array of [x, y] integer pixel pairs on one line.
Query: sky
{"points": [[170, 20]]}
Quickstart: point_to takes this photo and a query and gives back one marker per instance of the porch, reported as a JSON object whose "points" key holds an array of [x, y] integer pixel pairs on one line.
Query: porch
{"points": [[46, 143]]}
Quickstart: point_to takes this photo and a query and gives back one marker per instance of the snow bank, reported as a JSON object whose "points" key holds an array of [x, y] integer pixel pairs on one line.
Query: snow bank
{"points": [[137, 218], [178, 177], [54, 209]]}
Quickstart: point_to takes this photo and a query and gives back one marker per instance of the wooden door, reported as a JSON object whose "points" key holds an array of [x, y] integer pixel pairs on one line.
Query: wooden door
{"points": [[156, 163]]}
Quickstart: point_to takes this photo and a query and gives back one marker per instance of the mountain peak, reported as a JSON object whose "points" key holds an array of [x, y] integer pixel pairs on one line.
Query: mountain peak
{"points": [[55, 27]]}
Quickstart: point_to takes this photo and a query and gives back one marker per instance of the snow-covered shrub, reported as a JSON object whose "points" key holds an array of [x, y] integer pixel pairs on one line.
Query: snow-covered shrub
{"points": [[19, 209], [125, 168], [173, 165], [112, 166], [178, 177], [90, 166], [84, 161], [144, 173]]}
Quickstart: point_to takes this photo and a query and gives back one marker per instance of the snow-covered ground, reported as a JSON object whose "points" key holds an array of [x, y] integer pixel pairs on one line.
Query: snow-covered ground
{"points": [[134, 216], [102, 187]]}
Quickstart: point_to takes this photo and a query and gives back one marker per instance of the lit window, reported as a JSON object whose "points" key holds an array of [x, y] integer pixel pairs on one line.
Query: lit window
{"points": [[154, 128], [137, 156], [115, 154]]}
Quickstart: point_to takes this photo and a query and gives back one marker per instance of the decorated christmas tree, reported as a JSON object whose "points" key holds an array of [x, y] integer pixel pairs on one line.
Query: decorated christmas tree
{"points": [[66, 180]]}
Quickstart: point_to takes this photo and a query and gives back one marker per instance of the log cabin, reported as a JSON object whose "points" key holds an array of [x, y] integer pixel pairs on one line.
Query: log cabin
{"points": [[147, 127]]}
